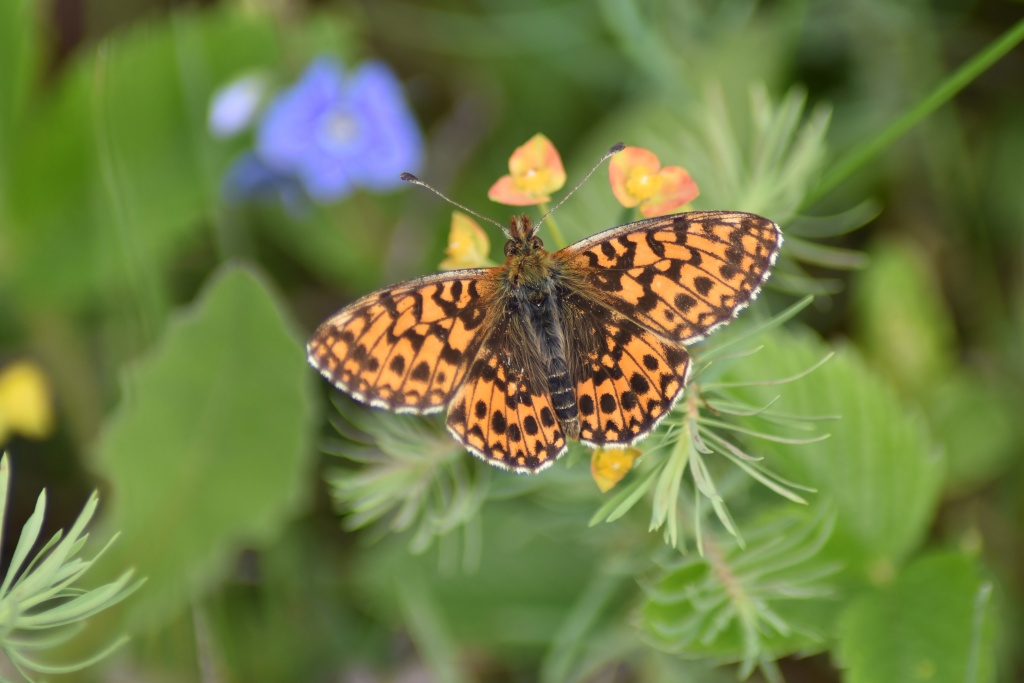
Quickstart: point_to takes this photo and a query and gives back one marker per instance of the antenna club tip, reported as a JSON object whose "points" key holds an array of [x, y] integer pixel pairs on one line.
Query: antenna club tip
{"points": [[617, 147], [409, 178]]}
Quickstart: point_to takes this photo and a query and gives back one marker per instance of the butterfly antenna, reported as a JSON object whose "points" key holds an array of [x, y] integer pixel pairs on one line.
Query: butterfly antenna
{"points": [[410, 178], [618, 147]]}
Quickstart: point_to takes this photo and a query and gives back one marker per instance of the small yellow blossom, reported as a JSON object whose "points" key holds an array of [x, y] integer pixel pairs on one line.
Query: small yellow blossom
{"points": [[468, 245], [26, 406], [609, 465]]}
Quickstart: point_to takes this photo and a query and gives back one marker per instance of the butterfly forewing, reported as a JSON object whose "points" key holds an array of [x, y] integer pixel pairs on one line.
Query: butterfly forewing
{"points": [[407, 347], [680, 275]]}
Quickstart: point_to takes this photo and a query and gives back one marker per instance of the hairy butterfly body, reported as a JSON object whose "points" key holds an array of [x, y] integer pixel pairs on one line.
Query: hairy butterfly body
{"points": [[584, 343]]}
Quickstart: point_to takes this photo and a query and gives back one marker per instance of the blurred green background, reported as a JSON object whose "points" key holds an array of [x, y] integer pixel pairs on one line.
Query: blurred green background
{"points": [[287, 534]]}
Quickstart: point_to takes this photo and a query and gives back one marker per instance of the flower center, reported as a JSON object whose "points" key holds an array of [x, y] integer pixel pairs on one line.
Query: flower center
{"points": [[534, 180], [643, 184], [338, 129]]}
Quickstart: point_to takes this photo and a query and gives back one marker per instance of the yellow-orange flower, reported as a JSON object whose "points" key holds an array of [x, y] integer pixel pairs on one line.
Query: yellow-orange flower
{"points": [[26, 406], [609, 465], [468, 245], [638, 179], [535, 171]]}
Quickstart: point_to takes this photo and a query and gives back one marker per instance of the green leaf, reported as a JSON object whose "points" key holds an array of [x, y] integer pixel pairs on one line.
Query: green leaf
{"points": [[976, 419], [5, 480], [934, 623], [210, 448], [904, 324], [879, 468]]}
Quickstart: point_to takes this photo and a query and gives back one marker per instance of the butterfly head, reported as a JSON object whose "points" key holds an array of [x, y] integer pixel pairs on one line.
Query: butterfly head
{"points": [[522, 237]]}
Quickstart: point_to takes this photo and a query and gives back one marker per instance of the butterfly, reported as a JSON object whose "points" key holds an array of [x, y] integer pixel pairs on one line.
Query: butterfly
{"points": [[587, 343]]}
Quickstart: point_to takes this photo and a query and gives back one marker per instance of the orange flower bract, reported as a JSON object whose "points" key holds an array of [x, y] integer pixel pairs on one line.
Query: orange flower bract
{"points": [[535, 171], [638, 180]]}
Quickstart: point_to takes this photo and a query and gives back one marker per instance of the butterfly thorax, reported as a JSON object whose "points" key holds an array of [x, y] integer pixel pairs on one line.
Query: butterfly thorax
{"points": [[531, 280]]}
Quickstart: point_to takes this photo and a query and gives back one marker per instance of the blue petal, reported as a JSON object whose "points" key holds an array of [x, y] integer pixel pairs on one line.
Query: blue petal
{"points": [[288, 133], [250, 178], [234, 106], [327, 178], [393, 142], [334, 134]]}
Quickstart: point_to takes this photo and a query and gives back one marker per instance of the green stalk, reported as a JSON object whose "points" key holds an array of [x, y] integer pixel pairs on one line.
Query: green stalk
{"points": [[956, 82], [556, 233]]}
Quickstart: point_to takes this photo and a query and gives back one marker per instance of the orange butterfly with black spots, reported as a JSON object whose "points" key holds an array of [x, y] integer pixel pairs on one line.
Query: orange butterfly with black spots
{"points": [[584, 343]]}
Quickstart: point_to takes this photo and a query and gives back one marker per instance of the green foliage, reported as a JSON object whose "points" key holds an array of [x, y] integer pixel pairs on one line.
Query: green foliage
{"points": [[42, 604], [742, 603], [98, 156], [905, 328], [903, 324], [878, 469], [412, 475], [197, 475], [935, 623]]}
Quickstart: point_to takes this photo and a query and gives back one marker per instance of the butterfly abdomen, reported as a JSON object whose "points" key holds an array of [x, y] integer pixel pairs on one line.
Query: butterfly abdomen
{"points": [[563, 397], [541, 308]]}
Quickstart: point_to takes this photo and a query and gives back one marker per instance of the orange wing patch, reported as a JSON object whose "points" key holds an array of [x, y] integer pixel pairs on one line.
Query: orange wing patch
{"points": [[681, 275], [629, 380], [504, 416], [407, 347]]}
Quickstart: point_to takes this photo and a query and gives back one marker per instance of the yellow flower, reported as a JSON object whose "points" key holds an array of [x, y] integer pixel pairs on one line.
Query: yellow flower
{"points": [[26, 406], [638, 179], [468, 245], [535, 171], [609, 465]]}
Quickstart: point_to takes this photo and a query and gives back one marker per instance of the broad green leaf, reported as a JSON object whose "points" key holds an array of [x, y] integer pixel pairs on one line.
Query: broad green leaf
{"points": [[904, 326], [210, 448], [934, 623], [878, 468], [976, 419]]}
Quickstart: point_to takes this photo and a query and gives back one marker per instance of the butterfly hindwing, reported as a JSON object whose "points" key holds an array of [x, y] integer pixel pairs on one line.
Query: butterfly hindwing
{"points": [[626, 377], [407, 347], [503, 413], [680, 275]]}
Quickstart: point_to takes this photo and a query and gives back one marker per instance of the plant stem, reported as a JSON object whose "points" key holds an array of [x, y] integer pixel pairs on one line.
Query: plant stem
{"points": [[556, 233], [956, 82]]}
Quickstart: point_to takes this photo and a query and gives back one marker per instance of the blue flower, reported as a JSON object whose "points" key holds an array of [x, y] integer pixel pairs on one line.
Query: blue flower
{"points": [[336, 132], [234, 106], [251, 178]]}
